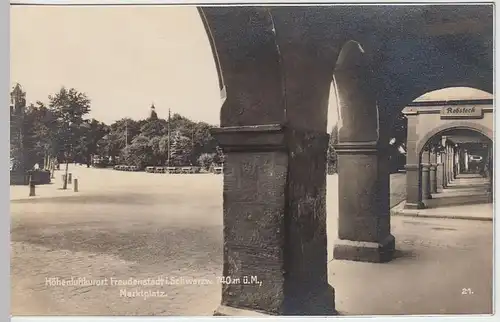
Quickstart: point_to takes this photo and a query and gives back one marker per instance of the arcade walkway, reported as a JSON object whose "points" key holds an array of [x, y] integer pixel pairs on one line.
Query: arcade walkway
{"points": [[466, 197]]}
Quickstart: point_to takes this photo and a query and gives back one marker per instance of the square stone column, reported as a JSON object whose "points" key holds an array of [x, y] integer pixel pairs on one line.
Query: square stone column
{"points": [[450, 164], [444, 158], [426, 181], [274, 218], [491, 175], [413, 167], [364, 217], [433, 171], [439, 172], [455, 163], [414, 187]]}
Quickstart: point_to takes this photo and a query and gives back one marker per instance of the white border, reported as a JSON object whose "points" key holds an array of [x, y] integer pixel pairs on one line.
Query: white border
{"points": [[5, 84], [244, 2]]}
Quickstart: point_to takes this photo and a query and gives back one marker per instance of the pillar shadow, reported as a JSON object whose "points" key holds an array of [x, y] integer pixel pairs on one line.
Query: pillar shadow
{"points": [[447, 201]]}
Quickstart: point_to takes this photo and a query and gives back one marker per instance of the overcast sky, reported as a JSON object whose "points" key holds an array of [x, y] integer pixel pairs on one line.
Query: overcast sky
{"points": [[125, 58]]}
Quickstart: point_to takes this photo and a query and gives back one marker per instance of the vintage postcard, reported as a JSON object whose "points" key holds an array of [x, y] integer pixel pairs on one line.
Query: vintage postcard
{"points": [[251, 160]]}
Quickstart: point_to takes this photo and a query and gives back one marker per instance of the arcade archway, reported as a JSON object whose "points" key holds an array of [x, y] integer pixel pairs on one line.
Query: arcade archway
{"points": [[469, 120], [277, 64]]}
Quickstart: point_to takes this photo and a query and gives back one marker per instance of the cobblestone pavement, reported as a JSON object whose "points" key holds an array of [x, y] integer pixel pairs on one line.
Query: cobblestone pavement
{"points": [[171, 226]]}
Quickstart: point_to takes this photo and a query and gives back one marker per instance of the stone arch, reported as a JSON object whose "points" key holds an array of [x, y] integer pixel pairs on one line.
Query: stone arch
{"points": [[362, 165], [470, 83], [213, 47], [357, 107], [467, 125], [248, 61]]}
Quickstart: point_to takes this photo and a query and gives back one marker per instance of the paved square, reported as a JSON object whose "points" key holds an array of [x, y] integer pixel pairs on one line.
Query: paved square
{"points": [[126, 225]]}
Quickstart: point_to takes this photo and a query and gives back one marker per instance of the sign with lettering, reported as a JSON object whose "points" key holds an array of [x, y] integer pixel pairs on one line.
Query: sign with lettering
{"points": [[468, 112]]}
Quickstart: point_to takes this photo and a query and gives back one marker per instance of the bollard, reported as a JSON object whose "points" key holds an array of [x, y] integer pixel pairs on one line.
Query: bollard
{"points": [[70, 181], [64, 181], [75, 185], [52, 174], [32, 187]]}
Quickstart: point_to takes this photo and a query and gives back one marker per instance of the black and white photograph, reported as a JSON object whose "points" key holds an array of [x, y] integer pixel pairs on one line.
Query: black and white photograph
{"points": [[271, 159]]}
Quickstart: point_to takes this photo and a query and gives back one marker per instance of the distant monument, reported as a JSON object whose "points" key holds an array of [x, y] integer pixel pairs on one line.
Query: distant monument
{"points": [[153, 115]]}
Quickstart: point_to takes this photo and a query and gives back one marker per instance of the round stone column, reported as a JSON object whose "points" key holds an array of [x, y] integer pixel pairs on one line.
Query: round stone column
{"points": [[426, 189], [450, 164], [439, 172], [433, 171]]}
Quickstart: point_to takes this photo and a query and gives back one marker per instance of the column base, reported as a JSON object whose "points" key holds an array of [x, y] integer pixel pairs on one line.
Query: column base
{"points": [[418, 205], [224, 310], [321, 302], [365, 251]]}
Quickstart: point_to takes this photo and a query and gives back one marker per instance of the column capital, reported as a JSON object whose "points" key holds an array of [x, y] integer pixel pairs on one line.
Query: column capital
{"points": [[360, 148], [254, 138], [266, 138], [412, 167]]}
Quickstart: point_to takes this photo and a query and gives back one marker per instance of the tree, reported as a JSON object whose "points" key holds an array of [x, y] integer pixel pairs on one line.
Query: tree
{"points": [[154, 127], [69, 107], [331, 157], [92, 132], [40, 128], [205, 160], [180, 149], [157, 150], [120, 133], [17, 110], [138, 153]]}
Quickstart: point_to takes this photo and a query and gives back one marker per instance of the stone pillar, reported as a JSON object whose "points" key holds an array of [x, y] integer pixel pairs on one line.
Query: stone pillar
{"points": [[426, 189], [274, 193], [439, 172], [364, 232], [413, 165], [364, 227], [450, 164], [275, 220], [444, 158], [433, 171], [491, 174], [466, 161], [454, 161]]}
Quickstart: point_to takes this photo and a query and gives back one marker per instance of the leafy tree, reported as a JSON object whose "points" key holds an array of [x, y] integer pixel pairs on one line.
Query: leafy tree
{"points": [[40, 128], [163, 146], [154, 127], [219, 158], [205, 160], [158, 155], [17, 140], [180, 149], [331, 154], [69, 107], [120, 133], [92, 132], [138, 153]]}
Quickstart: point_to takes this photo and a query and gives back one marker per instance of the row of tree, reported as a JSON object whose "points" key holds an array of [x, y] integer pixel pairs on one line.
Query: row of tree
{"points": [[61, 132]]}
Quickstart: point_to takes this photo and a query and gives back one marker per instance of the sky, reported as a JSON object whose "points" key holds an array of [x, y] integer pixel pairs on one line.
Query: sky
{"points": [[125, 59]]}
